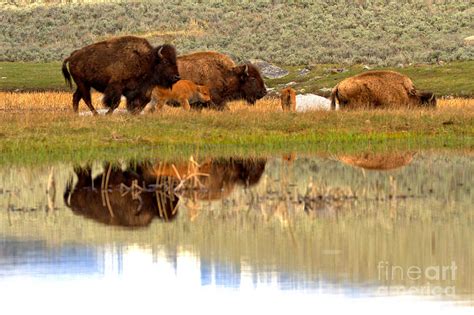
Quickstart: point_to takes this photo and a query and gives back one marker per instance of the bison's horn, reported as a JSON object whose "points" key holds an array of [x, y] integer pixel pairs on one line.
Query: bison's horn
{"points": [[246, 70], [159, 52]]}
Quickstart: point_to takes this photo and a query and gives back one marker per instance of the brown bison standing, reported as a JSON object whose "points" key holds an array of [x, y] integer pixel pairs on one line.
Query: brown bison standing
{"points": [[379, 89], [288, 99], [226, 80], [127, 66]]}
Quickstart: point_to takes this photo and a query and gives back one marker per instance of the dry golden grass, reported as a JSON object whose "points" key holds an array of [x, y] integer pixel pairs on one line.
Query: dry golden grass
{"points": [[42, 126], [62, 101]]}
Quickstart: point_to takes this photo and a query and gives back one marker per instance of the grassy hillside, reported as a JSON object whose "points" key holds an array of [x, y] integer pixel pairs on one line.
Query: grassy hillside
{"points": [[381, 32], [449, 79]]}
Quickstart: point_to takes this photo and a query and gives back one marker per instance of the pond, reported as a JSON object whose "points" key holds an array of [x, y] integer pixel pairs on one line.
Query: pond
{"points": [[378, 232]]}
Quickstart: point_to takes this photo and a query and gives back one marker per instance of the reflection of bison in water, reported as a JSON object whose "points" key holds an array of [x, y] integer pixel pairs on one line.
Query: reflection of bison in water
{"points": [[135, 196], [126, 198], [378, 161], [226, 80], [127, 66], [379, 89], [219, 176]]}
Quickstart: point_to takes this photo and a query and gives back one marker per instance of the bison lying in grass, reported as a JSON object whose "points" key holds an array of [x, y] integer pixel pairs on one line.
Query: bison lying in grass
{"points": [[379, 89], [127, 66], [226, 80]]}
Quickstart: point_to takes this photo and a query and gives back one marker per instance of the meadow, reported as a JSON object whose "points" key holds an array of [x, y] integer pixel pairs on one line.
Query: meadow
{"points": [[422, 39], [40, 128], [450, 79]]}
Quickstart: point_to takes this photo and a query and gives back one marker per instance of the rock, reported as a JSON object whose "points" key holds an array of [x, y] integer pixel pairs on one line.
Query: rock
{"points": [[309, 102], [336, 70], [325, 90], [290, 83], [366, 67], [268, 70], [400, 65], [316, 78], [304, 71], [469, 41]]}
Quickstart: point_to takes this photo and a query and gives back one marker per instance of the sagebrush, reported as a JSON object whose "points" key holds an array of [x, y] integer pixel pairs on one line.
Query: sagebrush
{"points": [[285, 32]]}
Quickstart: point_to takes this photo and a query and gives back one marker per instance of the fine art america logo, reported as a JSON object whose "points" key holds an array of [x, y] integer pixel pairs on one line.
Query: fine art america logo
{"points": [[431, 277]]}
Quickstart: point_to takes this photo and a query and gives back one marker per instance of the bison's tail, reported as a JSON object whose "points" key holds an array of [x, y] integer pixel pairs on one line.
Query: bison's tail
{"points": [[66, 74], [333, 98]]}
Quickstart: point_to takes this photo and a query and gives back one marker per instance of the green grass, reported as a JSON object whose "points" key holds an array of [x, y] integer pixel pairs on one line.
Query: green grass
{"points": [[455, 78], [27, 76], [47, 137]]}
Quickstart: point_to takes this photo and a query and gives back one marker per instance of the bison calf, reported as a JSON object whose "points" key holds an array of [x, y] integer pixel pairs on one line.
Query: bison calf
{"points": [[126, 65], [379, 89], [184, 92], [288, 99]]}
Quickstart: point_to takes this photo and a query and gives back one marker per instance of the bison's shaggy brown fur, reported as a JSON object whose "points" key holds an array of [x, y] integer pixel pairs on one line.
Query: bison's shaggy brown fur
{"points": [[126, 65], [226, 80], [288, 99], [184, 92], [379, 89]]}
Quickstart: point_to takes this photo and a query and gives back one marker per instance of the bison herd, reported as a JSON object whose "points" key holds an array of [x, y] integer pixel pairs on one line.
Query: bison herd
{"points": [[129, 66]]}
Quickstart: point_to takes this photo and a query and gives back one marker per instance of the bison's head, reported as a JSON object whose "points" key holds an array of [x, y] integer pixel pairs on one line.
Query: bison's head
{"points": [[427, 99], [204, 93], [166, 70], [251, 86]]}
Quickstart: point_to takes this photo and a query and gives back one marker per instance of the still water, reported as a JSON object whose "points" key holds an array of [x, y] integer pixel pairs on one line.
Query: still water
{"points": [[385, 232]]}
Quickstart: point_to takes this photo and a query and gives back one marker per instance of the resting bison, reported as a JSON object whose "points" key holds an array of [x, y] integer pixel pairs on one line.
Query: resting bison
{"points": [[127, 66], [288, 99], [125, 198], [226, 80], [184, 92], [379, 89]]}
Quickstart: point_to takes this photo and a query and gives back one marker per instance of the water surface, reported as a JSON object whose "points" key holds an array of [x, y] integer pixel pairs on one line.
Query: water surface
{"points": [[384, 232]]}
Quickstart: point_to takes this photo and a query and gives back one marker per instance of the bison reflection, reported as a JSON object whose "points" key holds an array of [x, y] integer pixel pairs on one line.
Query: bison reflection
{"points": [[135, 196], [376, 161], [128, 197], [215, 178]]}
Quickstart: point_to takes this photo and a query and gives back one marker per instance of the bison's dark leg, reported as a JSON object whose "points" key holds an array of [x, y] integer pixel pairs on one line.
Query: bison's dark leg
{"points": [[85, 92], [76, 98], [112, 95], [136, 104]]}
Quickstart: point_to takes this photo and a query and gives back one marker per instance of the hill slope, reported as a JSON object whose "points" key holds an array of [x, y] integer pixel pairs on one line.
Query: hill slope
{"points": [[381, 32]]}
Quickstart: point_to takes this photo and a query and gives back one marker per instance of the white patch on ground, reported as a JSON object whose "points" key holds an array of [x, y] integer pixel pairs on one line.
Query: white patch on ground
{"points": [[309, 102], [103, 111]]}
